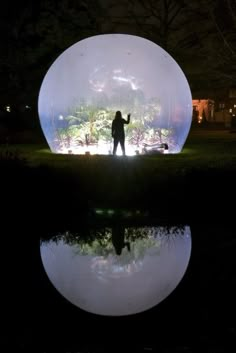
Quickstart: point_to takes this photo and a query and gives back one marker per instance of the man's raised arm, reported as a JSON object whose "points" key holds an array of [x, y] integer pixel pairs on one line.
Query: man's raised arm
{"points": [[128, 119]]}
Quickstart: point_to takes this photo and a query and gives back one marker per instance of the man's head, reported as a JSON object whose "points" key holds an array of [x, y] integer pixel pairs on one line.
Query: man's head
{"points": [[118, 115]]}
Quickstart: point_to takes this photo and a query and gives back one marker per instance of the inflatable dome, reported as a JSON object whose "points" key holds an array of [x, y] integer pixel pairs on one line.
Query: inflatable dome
{"points": [[100, 75]]}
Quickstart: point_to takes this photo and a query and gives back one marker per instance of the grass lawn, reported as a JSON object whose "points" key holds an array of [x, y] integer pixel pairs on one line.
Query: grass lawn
{"points": [[202, 174], [203, 149]]}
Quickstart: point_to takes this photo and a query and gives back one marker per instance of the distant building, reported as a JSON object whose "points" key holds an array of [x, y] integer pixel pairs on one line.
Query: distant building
{"points": [[225, 108], [203, 110], [220, 110]]}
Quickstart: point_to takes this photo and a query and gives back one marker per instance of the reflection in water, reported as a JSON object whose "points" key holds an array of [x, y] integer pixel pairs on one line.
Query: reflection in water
{"points": [[118, 271], [118, 238]]}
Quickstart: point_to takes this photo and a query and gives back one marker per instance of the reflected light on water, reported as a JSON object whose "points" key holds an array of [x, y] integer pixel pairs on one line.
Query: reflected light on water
{"points": [[97, 278]]}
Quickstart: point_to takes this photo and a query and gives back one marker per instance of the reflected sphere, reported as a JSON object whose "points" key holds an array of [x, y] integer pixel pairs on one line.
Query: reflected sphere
{"points": [[92, 276]]}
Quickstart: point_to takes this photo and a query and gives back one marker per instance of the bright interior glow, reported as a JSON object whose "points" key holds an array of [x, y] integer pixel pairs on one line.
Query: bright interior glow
{"points": [[93, 277], [99, 75]]}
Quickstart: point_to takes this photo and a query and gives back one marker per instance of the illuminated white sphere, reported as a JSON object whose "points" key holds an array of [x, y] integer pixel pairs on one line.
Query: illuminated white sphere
{"points": [[117, 285], [100, 75]]}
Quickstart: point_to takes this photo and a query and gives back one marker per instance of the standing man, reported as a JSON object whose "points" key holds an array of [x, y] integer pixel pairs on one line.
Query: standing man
{"points": [[118, 132]]}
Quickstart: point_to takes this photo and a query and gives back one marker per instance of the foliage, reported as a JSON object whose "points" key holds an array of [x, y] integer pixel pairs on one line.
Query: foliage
{"points": [[86, 126], [90, 241], [89, 124]]}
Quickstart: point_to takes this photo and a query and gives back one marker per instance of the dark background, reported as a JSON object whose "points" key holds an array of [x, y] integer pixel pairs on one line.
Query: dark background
{"points": [[200, 35], [200, 314]]}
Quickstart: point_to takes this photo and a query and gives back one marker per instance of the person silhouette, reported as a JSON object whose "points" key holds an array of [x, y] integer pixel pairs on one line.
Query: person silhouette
{"points": [[118, 132], [118, 238]]}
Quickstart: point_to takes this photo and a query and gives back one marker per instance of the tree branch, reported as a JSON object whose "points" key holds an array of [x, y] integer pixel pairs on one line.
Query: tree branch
{"points": [[219, 31], [232, 12]]}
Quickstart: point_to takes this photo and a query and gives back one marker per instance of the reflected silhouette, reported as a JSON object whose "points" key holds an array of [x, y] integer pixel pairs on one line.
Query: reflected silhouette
{"points": [[104, 240], [118, 132], [118, 238]]}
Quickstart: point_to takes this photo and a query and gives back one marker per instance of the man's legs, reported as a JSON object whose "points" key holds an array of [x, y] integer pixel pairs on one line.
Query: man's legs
{"points": [[122, 144], [115, 146]]}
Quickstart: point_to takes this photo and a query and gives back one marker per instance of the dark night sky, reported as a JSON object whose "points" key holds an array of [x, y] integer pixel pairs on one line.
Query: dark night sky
{"points": [[200, 35]]}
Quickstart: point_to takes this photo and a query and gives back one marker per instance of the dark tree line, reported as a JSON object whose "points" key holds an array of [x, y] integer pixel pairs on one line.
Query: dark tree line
{"points": [[33, 34], [200, 35]]}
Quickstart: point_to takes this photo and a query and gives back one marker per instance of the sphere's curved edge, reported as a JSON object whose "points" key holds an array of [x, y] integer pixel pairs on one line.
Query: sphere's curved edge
{"points": [[87, 84]]}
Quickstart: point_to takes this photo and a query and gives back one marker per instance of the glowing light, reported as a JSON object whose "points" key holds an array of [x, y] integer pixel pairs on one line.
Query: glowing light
{"points": [[8, 108], [99, 149], [199, 119], [96, 279], [86, 90], [126, 80], [97, 86]]}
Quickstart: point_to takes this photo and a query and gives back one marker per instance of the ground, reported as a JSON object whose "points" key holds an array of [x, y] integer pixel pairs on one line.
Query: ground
{"points": [[42, 192], [200, 178]]}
